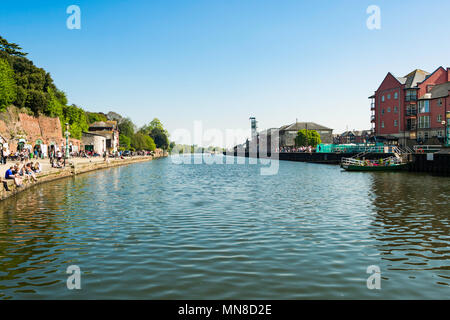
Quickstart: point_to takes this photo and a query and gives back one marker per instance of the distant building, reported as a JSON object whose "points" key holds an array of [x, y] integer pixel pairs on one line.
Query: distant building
{"points": [[109, 130], [92, 142], [288, 133], [414, 108], [354, 136]]}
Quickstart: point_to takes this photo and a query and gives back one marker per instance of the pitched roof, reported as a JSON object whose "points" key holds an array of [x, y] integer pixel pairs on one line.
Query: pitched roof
{"points": [[413, 78], [440, 90], [106, 124], [356, 133], [303, 125]]}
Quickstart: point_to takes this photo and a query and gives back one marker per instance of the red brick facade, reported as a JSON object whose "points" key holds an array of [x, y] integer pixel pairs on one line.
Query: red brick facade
{"points": [[34, 130], [412, 108]]}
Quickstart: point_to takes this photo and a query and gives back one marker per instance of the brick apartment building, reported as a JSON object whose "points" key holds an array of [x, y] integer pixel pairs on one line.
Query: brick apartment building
{"points": [[354, 136], [414, 109]]}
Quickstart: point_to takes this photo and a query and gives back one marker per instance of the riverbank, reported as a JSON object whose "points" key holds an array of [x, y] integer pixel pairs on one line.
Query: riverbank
{"points": [[435, 163], [77, 166]]}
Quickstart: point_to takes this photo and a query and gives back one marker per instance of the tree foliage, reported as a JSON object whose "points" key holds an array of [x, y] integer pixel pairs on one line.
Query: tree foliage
{"points": [[143, 142], [8, 89], [95, 117], [127, 127], [76, 118], [11, 48], [302, 140], [157, 132], [125, 141]]}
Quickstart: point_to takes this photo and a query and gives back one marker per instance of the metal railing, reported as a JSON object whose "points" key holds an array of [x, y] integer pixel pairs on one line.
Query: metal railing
{"points": [[357, 162], [427, 148]]}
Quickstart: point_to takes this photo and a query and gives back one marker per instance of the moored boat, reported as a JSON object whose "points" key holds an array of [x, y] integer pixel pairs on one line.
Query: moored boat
{"points": [[388, 164]]}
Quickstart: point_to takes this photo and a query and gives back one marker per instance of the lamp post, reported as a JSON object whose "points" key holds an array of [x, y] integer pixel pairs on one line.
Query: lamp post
{"points": [[67, 134]]}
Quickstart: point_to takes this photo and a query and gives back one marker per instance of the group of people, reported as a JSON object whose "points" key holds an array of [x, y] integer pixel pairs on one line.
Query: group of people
{"points": [[23, 155], [297, 149], [56, 159], [25, 172]]}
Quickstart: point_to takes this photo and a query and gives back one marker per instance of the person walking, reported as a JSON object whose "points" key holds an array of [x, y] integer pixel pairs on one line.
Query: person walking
{"points": [[3, 156]]}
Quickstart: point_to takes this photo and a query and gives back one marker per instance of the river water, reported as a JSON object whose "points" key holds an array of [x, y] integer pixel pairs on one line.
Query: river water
{"points": [[160, 230]]}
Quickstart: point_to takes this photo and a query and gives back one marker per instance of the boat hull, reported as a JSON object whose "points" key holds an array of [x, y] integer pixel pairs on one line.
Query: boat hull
{"points": [[375, 168]]}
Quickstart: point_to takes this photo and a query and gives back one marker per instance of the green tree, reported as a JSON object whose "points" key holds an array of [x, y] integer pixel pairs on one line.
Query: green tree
{"points": [[76, 117], [142, 141], [95, 117], [11, 48], [302, 140], [36, 101], [54, 107], [156, 130], [127, 127], [124, 141], [8, 88], [160, 138]]}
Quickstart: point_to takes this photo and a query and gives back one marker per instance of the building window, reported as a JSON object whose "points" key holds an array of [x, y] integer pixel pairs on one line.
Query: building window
{"points": [[424, 122], [395, 109], [389, 97], [395, 95], [382, 111], [439, 118], [424, 106], [389, 109], [411, 124], [382, 98], [426, 134], [411, 95], [411, 110], [382, 124], [439, 103], [395, 123]]}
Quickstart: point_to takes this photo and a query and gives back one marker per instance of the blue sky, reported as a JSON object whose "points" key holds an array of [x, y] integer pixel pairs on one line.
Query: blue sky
{"points": [[222, 61]]}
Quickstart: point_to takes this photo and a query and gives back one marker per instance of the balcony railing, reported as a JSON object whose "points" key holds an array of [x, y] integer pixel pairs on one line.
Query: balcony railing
{"points": [[372, 118], [411, 127], [372, 106], [412, 112]]}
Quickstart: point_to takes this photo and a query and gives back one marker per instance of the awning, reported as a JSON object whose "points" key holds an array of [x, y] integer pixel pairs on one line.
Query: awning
{"points": [[22, 140]]}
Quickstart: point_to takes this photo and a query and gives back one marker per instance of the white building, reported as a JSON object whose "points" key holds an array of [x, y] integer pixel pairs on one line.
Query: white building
{"points": [[93, 142]]}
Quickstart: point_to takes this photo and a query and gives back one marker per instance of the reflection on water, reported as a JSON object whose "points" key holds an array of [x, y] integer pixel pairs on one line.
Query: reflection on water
{"points": [[411, 225], [163, 231]]}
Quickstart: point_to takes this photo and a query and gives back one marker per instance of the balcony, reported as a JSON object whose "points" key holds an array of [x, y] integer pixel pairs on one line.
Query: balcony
{"points": [[372, 106], [410, 98], [411, 113], [372, 118]]}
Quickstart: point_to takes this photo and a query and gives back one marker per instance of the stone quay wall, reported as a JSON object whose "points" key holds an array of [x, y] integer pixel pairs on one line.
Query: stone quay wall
{"points": [[8, 187]]}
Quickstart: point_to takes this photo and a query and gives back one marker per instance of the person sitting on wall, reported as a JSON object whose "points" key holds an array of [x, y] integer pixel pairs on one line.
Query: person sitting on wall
{"points": [[37, 167], [11, 174], [29, 171]]}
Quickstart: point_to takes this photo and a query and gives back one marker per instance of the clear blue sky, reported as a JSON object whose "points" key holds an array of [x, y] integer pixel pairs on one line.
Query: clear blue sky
{"points": [[221, 61]]}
